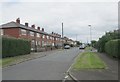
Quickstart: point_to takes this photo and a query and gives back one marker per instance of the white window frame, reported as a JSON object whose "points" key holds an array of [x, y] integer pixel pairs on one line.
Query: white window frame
{"points": [[50, 37], [36, 43], [47, 37], [32, 33], [42, 43], [37, 34], [1, 32], [45, 43], [43, 36], [39, 42], [23, 32]]}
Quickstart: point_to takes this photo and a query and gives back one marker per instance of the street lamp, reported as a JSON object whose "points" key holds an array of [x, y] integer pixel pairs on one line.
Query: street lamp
{"points": [[90, 35], [62, 37]]}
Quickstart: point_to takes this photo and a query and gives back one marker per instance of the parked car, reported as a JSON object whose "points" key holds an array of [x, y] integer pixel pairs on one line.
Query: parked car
{"points": [[67, 47], [82, 46]]}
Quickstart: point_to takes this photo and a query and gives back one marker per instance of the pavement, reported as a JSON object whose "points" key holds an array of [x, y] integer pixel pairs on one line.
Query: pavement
{"points": [[50, 67], [110, 73], [27, 57]]}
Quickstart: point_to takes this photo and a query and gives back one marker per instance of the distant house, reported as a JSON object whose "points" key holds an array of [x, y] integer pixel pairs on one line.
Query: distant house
{"points": [[66, 40]]}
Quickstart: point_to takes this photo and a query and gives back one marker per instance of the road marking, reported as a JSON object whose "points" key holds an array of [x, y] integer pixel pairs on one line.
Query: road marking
{"points": [[68, 73], [66, 76]]}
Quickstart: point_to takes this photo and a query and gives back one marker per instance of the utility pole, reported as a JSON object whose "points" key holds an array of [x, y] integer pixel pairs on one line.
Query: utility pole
{"points": [[62, 37]]}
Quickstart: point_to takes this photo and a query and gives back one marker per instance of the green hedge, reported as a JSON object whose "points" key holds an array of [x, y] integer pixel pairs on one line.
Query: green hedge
{"points": [[112, 48], [14, 47]]}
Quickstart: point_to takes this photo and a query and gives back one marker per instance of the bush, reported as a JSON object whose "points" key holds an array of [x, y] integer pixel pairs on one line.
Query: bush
{"points": [[112, 48], [14, 47]]}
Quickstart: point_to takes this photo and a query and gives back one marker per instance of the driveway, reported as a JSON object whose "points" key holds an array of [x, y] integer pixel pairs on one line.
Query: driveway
{"points": [[51, 67]]}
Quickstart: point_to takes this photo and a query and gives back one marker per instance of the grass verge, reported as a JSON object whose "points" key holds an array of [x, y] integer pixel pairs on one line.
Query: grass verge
{"points": [[88, 60], [12, 60], [7, 61]]}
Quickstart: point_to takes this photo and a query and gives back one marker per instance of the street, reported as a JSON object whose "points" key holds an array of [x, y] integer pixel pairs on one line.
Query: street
{"points": [[51, 67]]}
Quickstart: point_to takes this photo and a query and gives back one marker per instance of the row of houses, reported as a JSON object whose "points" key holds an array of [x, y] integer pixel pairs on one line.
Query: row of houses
{"points": [[38, 37]]}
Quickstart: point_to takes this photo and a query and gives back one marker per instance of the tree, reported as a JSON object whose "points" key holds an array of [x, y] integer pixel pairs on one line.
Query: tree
{"points": [[78, 43], [93, 43]]}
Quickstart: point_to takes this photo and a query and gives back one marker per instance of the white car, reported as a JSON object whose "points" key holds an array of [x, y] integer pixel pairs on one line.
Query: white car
{"points": [[82, 46], [67, 47]]}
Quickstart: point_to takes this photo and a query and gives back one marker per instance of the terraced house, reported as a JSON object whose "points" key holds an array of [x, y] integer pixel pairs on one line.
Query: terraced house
{"points": [[38, 37]]}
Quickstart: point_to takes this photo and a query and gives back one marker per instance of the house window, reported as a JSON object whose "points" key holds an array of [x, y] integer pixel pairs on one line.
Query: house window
{"points": [[38, 35], [23, 32], [32, 33], [47, 37], [1, 32], [32, 44], [58, 39], [43, 36], [52, 44], [50, 37], [39, 43], [45, 43], [36, 42], [42, 43]]}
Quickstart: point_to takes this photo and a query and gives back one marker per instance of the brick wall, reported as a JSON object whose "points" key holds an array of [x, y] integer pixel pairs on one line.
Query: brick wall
{"points": [[14, 32]]}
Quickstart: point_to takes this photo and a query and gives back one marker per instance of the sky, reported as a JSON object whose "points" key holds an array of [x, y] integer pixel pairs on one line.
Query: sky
{"points": [[75, 15]]}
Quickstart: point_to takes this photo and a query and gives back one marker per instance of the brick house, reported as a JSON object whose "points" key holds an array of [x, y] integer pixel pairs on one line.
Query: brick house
{"points": [[38, 37]]}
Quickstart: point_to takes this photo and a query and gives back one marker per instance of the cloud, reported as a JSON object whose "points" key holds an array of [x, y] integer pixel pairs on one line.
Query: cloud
{"points": [[75, 15]]}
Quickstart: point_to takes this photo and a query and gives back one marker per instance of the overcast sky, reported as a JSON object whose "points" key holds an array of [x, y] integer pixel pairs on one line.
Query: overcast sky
{"points": [[76, 16]]}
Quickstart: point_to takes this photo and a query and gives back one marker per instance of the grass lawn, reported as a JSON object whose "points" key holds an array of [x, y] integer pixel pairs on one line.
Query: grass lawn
{"points": [[6, 61], [88, 60]]}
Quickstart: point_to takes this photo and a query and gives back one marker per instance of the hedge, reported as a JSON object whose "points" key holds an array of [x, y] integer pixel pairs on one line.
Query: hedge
{"points": [[14, 47], [112, 48]]}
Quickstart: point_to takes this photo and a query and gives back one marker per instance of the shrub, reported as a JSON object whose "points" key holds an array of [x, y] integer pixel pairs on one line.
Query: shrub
{"points": [[112, 48], [107, 37], [14, 47]]}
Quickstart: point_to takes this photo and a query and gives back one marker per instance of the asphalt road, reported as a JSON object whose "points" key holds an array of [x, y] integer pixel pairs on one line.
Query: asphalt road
{"points": [[51, 67]]}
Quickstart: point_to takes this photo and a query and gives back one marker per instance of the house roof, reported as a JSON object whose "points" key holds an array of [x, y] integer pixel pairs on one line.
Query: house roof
{"points": [[13, 24], [54, 35]]}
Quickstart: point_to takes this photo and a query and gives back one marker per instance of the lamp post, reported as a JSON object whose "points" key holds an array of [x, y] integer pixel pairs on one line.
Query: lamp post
{"points": [[90, 36], [62, 37], [90, 33]]}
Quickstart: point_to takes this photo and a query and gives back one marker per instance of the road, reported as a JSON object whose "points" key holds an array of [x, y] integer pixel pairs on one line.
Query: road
{"points": [[51, 67]]}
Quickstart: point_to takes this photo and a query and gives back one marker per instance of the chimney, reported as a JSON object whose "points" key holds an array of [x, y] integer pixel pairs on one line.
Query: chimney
{"points": [[33, 26], [38, 28], [26, 24], [43, 29], [18, 20], [52, 32]]}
